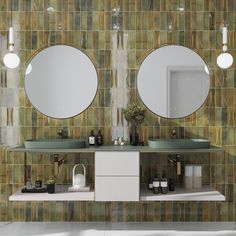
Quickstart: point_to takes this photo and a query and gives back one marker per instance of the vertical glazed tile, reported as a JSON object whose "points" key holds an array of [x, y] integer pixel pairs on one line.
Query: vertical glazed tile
{"points": [[89, 21], [101, 5], [143, 20], [193, 209], [163, 212], [163, 20], [169, 211], [77, 20], [34, 40], [28, 5], [138, 21], [187, 212], [144, 17]]}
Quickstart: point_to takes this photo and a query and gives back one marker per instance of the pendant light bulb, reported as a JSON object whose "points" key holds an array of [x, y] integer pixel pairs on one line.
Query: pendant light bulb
{"points": [[225, 60], [11, 59]]}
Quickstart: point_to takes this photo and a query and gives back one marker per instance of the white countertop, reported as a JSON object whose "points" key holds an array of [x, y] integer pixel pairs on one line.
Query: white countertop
{"points": [[112, 148]]}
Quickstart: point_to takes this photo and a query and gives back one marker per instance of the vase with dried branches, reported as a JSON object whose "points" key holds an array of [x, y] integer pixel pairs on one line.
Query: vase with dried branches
{"points": [[134, 114]]}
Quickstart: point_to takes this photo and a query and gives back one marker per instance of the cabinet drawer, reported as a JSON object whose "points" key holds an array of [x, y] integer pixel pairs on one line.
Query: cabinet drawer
{"points": [[117, 163], [116, 188]]}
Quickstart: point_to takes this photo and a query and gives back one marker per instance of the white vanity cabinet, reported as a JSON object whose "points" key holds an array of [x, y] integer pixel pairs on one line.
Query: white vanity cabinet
{"points": [[117, 176]]}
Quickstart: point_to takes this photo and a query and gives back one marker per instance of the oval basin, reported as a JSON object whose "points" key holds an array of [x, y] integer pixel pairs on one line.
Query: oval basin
{"points": [[55, 143]]}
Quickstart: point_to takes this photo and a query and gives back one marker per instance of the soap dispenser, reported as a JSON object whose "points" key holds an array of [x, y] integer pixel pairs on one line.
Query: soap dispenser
{"points": [[99, 138], [91, 139]]}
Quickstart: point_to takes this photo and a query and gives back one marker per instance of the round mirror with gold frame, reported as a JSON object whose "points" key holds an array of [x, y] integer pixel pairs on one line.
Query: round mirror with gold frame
{"points": [[173, 81], [61, 81]]}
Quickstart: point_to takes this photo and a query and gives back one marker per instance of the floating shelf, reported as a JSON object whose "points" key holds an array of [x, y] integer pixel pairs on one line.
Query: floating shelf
{"points": [[61, 194], [206, 193], [141, 149]]}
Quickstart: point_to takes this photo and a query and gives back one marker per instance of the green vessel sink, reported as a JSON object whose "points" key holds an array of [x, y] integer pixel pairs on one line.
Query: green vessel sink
{"points": [[179, 143], [55, 143]]}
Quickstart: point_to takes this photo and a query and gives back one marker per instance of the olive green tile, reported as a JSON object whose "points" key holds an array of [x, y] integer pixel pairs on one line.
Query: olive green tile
{"points": [[87, 25]]}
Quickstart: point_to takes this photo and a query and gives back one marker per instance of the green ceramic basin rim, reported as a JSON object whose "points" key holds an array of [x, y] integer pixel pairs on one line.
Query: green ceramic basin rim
{"points": [[55, 143], [179, 140], [55, 140], [179, 143]]}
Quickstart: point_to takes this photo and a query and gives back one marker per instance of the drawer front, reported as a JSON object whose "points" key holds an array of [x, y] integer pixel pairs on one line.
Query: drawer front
{"points": [[117, 163], [116, 188]]}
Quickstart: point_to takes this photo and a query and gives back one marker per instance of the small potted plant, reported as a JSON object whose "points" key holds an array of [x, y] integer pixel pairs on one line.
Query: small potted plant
{"points": [[50, 185], [135, 115]]}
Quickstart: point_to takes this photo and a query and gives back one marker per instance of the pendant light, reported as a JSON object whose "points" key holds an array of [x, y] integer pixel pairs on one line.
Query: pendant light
{"points": [[11, 59], [225, 60]]}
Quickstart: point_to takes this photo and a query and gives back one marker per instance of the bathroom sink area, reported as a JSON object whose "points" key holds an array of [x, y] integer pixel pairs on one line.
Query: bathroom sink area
{"points": [[55, 143], [179, 143]]}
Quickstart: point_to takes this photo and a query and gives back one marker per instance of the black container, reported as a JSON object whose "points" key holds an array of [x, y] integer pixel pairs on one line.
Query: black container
{"points": [[50, 188], [164, 186], [34, 190], [99, 138], [134, 139], [156, 186], [38, 184], [171, 185], [150, 183]]}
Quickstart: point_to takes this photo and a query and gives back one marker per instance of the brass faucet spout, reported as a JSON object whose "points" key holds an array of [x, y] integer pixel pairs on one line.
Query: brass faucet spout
{"points": [[57, 163]]}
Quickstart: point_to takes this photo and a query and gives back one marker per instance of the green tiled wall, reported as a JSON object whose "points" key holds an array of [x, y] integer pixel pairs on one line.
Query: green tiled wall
{"points": [[88, 24]]}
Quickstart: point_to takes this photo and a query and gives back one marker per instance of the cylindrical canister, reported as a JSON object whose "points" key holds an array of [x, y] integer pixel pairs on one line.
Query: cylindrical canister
{"points": [[188, 177], [197, 176]]}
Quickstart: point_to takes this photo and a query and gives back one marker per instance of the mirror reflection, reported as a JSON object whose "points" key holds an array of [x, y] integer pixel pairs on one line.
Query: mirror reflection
{"points": [[61, 81], [173, 81]]}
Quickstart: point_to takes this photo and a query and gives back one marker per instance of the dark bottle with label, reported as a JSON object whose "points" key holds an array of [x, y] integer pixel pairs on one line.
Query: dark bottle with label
{"points": [[150, 183], [91, 139], [99, 138], [164, 186]]}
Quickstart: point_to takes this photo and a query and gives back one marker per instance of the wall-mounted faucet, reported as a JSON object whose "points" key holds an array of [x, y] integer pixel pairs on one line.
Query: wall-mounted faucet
{"points": [[57, 163], [63, 133], [174, 135]]}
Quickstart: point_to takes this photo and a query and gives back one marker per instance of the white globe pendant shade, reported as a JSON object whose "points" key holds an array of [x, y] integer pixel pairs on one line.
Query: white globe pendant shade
{"points": [[11, 60], [225, 60]]}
